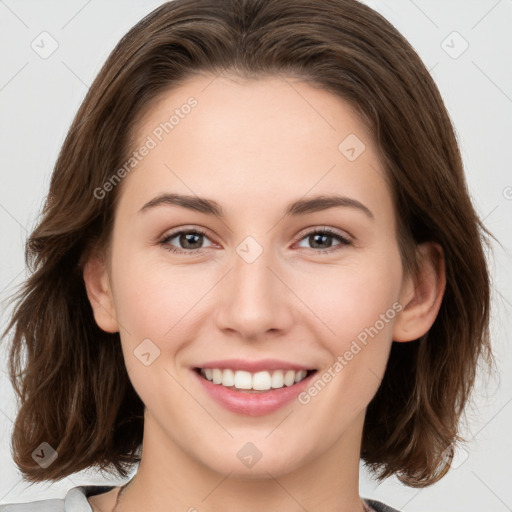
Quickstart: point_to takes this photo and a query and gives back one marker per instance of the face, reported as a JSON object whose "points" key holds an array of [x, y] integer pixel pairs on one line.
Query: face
{"points": [[250, 282]]}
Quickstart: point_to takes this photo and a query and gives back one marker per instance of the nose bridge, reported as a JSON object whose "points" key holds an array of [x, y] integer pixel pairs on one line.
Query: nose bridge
{"points": [[251, 270], [254, 301]]}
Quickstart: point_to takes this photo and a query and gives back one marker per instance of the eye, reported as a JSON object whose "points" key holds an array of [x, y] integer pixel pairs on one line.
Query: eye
{"points": [[190, 241], [321, 240]]}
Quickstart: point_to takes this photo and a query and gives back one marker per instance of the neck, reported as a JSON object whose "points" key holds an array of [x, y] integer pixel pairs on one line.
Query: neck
{"points": [[169, 479]]}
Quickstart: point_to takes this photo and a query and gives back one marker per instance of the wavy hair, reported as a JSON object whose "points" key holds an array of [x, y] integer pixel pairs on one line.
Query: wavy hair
{"points": [[69, 375]]}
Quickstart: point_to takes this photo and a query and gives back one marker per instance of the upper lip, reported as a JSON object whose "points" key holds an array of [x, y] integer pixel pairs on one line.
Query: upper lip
{"points": [[253, 366]]}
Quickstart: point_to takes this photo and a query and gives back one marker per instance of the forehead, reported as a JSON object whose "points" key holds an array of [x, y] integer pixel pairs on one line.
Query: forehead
{"points": [[275, 111], [245, 141]]}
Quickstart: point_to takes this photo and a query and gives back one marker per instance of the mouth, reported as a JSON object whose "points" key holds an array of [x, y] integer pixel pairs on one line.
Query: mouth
{"points": [[254, 382], [253, 387]]}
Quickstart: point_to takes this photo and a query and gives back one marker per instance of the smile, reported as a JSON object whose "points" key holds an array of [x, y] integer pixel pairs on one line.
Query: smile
{"points": [[253, 381], [258, 389]]}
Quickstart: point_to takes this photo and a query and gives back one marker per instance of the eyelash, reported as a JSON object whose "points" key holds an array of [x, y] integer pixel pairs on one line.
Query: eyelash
{"points": [[344, 241]]}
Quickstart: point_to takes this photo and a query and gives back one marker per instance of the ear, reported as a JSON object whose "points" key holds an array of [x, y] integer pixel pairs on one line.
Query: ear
{"points": [[421, 295], [99, 292]]}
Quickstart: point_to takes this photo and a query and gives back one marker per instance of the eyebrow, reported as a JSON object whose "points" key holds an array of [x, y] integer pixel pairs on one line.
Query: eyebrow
{"points": [[299, 207]]}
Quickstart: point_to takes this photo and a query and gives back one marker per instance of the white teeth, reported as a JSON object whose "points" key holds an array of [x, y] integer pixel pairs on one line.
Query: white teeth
{"points": [[217, 376], [243, 380], [300, 375], [289, 378], [228, 378], [278, 379], [259, 381]]}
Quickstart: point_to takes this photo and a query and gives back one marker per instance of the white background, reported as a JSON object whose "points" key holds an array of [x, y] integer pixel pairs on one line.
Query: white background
{"points": [[39, 97]]}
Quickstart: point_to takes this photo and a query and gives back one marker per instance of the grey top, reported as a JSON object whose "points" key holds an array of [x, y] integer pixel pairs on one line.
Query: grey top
{"points": [[76, 501]]}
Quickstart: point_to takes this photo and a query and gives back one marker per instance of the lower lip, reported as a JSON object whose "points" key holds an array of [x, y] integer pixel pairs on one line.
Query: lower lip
{"points": [[253, 404]]}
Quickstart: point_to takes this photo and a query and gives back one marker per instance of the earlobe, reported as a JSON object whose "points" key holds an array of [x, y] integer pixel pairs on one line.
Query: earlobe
{"points": [[99, 292], [422, 296]]}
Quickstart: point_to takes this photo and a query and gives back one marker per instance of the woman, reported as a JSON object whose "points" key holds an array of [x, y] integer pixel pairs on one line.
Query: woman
{"points": [[257, 264]]}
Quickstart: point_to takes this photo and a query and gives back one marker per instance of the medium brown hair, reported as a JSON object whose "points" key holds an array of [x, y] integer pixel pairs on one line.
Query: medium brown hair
{"points": [[69, 375]]}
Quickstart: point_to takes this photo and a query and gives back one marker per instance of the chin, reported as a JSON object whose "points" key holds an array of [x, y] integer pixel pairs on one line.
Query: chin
{"points": [[250, 463]]}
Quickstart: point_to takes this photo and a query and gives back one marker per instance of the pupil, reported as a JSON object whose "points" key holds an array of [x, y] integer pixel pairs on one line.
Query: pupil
{"points": [[188, 240], [321, 237]]}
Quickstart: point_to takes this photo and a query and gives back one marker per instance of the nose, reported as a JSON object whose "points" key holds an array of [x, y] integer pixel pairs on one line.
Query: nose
{"points": [[254, 301]]}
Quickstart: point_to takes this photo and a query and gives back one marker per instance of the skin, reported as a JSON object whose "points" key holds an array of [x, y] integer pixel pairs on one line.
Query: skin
{"points": [[254, 147]]}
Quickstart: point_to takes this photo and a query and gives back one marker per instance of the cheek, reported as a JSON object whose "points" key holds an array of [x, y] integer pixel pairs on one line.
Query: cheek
{"points": [[151, 296], [351, 298], [154, 302], [357, 305]]}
